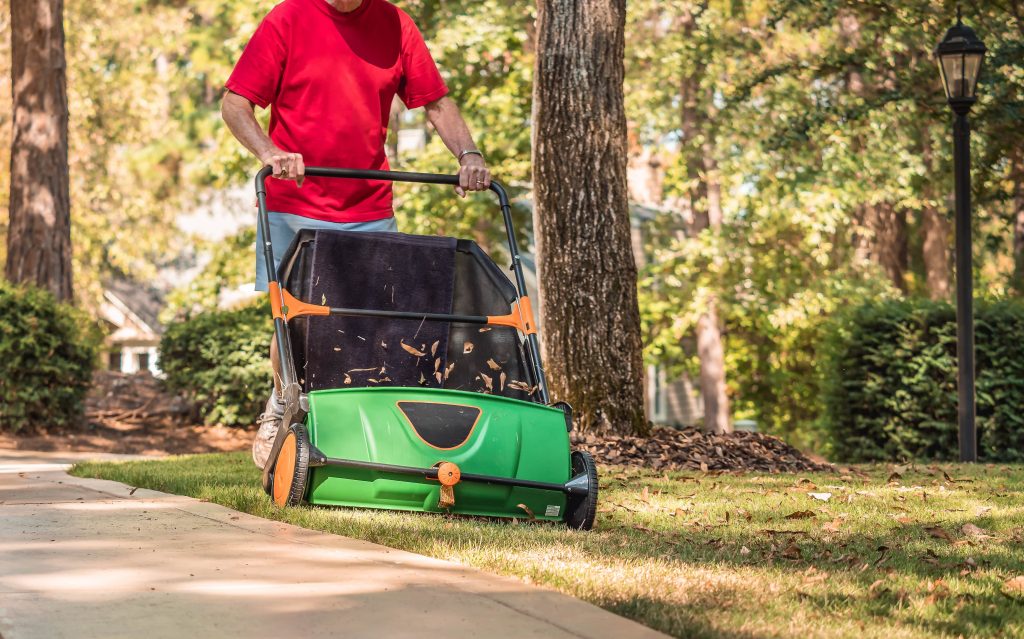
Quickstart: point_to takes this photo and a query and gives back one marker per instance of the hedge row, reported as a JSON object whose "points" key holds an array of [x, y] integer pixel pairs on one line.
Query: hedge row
{"points": [[891, 382], [221, 361], [47, 355]]}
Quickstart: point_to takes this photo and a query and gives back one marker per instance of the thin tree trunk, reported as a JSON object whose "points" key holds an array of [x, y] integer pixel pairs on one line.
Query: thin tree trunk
{"points": [[1018, 221], [712, 371], [589, 311], [935, 228], [935, 251], [703, 199], [39, 236]]}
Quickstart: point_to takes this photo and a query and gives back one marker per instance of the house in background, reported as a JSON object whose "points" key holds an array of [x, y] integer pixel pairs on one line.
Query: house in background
{"points": [[129, 310]]}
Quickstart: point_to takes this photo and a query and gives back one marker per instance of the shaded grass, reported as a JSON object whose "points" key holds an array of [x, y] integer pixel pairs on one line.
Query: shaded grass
{"points": [[698, 555]]}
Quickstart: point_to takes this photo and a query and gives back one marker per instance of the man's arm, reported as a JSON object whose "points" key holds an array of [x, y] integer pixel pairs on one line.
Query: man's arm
{"points": [[473, 172], [238, 114]]}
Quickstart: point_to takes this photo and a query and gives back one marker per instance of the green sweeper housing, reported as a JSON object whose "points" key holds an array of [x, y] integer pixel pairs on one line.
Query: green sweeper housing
{"points": [[412, 377]]}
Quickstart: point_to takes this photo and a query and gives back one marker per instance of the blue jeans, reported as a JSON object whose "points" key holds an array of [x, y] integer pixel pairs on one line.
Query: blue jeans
{"points": [[284, 226]]}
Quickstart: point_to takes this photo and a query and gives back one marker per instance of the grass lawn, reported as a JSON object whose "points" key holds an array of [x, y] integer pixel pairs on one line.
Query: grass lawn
{"points": [[933, 551]]}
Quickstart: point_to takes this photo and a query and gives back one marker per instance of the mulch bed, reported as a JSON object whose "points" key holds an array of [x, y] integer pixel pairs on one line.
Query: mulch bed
{"points": [[134, 414], [691, 449]]}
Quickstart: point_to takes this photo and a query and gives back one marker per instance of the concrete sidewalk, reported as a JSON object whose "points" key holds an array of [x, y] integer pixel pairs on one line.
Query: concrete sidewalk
{"points": [[84, 558]]}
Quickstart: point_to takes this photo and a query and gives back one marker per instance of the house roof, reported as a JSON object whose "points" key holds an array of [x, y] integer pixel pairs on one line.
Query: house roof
{"points": [[143, 301]]}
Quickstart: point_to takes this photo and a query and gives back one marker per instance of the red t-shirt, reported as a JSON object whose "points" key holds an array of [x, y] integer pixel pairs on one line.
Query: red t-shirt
{"points": [[331, 77]]}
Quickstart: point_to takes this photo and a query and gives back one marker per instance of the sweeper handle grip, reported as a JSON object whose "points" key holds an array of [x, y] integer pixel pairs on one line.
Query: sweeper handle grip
{"points": [[389, 176]]}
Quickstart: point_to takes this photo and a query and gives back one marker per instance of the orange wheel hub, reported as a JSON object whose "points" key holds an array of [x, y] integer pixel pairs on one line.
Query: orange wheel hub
{"points": [[284, 471]]}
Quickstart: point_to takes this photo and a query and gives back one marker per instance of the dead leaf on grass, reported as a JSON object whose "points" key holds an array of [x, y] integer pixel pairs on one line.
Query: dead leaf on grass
{"points": [[1014, 587], [792, 552], [938, 532], [821, 496], [973, 531], [744, 550], [801, 514]]}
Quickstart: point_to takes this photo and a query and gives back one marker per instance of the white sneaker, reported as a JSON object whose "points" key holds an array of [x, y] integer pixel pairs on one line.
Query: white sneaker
{"points": [[269, 422]]}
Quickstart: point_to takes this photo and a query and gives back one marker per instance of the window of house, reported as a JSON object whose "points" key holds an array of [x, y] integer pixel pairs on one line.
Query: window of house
{"points": [[143, 361], [114, 360]]}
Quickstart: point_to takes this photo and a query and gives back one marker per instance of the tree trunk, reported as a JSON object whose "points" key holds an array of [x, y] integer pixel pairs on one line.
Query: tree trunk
{"points": [[39, 236], [1018, 221], [935, 251], [589, 311], [712, 371], [935, 228], [703, 205]]}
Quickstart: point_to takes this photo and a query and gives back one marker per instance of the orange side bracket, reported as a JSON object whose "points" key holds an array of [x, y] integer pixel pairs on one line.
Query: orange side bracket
{"points": [[285, 306], [521, 317]]}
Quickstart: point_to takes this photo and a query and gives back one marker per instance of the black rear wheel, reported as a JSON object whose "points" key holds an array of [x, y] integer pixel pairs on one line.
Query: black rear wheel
{"points": [[581, 510]]}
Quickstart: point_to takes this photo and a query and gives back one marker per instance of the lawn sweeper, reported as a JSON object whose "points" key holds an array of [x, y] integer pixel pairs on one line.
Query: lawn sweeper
{"points": [[411, 376]]}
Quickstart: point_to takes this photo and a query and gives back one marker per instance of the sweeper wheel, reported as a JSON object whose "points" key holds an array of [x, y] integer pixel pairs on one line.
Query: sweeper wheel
{"points": [[582, 509], [291, 468]]}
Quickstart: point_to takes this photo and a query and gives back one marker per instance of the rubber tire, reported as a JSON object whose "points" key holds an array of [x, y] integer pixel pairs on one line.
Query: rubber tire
{"points": [[581, 510], [291, 469]]}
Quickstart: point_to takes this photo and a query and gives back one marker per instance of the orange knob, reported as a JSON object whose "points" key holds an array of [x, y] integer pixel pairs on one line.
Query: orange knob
{"points": [[448, 474]]}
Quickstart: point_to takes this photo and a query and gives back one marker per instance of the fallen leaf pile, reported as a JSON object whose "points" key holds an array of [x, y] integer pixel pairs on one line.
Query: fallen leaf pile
{"points": [[691, 449]]}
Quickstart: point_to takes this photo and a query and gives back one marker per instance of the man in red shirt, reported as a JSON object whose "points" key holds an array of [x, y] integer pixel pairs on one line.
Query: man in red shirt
{"points": [[330, 70]]}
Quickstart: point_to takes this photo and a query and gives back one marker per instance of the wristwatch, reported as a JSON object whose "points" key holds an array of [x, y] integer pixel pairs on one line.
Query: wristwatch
{"points": [[469, 152]]}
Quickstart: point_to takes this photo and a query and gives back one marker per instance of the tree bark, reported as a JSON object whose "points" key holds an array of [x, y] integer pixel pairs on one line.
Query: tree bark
{"points": [[935, 251], [703, 203], [39, 236], [589, 312], [935, 229], [1018, 221]]}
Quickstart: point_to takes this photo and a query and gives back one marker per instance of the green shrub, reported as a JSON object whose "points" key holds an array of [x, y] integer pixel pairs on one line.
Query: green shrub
{"points": [[47, 356], [890, 386], [221, 360]]}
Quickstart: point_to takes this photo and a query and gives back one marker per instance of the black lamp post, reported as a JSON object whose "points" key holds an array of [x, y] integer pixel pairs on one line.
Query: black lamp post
{"points": [[959, 56]]}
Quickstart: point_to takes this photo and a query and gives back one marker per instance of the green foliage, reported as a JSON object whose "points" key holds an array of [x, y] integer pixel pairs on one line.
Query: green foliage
{"points": [[47, 355], [220, 359], [890, 382]]}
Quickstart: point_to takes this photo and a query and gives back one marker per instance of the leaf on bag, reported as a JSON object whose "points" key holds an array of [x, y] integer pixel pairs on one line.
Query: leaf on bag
{"points": [[467, 348], [493, 365], [437, 376], [423, 380], [337, 349], [488, 382], [938, 532], [485, 329], [348, 379], [519, 386], [501, 381], [447, 371], [437, 364], [323, 300], [821, 496], [526, 509], [801, 514], [411, 350], [433, 348]]}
